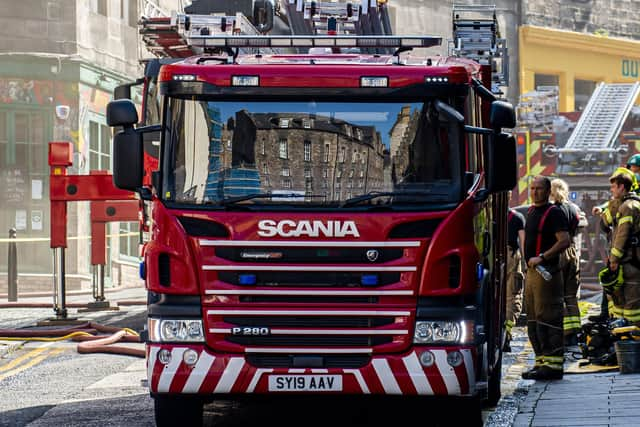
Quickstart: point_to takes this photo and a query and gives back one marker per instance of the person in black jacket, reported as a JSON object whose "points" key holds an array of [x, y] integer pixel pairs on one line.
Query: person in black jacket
{"points": [[546, 238]]}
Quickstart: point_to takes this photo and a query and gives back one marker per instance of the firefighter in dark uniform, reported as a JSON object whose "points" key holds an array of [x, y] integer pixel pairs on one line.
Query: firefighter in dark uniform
{"points": [[546, 238], [625, 247], [515, 278], [569, 262]]}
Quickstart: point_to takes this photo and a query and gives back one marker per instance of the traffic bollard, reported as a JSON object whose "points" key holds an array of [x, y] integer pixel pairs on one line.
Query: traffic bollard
{"points": [[12, 265]]}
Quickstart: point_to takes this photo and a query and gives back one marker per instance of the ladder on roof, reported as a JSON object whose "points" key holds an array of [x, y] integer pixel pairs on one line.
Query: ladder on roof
{"points": [[171, 36], [603, 117], [476, 36], [592, 147], [364, 17]]}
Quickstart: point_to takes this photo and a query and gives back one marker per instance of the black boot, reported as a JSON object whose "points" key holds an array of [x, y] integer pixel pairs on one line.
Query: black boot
{"points": [[545, 373], [531, 373]]}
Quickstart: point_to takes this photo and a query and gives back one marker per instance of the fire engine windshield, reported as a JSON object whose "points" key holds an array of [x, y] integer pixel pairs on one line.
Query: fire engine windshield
{"points": [[315, 153]]}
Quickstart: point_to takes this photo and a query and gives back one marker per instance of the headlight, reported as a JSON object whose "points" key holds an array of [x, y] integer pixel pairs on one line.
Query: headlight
{"points": [[175, 330], [443, 332]]}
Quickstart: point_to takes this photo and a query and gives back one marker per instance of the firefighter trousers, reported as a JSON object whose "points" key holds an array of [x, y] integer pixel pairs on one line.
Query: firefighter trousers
{"points": [[545, 304], [625, 302], [515, 282], [570, 267]]}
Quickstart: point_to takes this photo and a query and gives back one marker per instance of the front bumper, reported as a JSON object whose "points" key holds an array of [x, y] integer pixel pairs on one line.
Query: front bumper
{"points": [[225, 374]]}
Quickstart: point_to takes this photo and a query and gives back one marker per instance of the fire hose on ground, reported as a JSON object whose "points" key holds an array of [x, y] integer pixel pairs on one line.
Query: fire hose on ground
{"points": [[85, 335]]}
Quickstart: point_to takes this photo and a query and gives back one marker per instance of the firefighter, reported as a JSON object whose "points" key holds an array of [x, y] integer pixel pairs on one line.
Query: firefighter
{"points": [[625, 247], [515, 278], [570, 260], [606, 225], [633, 164], [546, 238]]}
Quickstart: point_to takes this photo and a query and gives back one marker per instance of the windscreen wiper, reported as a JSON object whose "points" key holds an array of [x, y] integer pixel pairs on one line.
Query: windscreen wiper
{"points": [[376, 194], [275, 196], [236, 199]]}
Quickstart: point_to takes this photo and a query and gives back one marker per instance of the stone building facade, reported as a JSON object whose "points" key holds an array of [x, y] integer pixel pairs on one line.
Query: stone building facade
{"points": [[59, 63]]}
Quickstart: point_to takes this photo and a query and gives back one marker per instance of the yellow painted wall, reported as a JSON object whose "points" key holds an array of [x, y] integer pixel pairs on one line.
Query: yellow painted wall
{"points": [[573, 56]]}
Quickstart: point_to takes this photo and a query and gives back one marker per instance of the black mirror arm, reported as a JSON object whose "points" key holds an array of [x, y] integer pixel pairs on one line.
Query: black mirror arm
{"points": [[482, 91]]}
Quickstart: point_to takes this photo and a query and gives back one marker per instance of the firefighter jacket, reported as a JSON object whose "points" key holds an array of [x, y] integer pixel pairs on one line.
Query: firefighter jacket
{"points": [[609, 212], [627, 228]]}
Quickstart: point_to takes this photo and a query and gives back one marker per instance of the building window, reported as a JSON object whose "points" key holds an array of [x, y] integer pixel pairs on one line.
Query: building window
{"points": [[285, 171], [307, 151], [129, 239], [338, 174], [306, 123], [583, 90], [341, 155], [307, 173], [326, 153], [265, 169], [284, 149], [325, 173], [284, 123], [99, 147], [264, 147], [286, 183], [545, 81]]}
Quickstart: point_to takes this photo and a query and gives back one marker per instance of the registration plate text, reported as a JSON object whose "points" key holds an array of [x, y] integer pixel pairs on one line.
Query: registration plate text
{"points": [[305, 383]]}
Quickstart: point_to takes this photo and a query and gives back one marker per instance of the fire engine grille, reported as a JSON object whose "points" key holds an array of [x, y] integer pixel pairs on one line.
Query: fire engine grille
{"points": [[346, 361], [307, 279], [299, 331], [307, 255], [308, 299], [310, 321], [305, 340]]}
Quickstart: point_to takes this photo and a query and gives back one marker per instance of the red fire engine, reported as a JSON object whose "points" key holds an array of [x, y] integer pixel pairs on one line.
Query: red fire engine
{"points": [[327, 222]]}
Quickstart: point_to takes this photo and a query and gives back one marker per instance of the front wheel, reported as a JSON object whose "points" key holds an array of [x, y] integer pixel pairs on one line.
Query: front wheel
{"points": [[177, 411], [493, 392]]}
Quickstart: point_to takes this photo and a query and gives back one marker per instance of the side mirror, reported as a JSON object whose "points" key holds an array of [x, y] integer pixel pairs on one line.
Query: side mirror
{"points": [[502, 115], [121, 112], [128, 159], [501, 168]]}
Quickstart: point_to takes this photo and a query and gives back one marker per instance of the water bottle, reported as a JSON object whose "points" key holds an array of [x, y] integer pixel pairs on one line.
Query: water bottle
{"points": [[543, 272]]}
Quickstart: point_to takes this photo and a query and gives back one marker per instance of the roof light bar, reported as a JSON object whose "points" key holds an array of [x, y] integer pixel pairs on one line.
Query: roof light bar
{"points": [[346, 41]]}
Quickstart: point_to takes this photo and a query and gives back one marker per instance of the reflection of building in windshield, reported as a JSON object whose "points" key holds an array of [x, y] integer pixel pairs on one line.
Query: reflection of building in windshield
{"points": [[225, 177], [401, 136], [305, 154]]}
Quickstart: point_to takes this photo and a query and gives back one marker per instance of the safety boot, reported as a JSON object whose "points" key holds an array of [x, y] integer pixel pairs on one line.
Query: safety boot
{"points": [[531, 373], [545, 373]]}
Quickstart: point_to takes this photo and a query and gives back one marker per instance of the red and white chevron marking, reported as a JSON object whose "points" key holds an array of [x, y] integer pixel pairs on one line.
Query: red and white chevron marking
{"points": [[395, 375]]}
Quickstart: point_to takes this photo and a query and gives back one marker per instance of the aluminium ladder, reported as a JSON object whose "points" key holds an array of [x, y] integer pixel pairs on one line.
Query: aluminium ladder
{"points": [[476, 36], [594, 141], [603, 117]]}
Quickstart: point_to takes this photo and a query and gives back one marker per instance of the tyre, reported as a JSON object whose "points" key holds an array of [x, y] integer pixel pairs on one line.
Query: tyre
{"points": [[493, 386], [177, 411]]}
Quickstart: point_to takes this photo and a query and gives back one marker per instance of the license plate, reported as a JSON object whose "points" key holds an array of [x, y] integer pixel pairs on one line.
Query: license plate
{"points": [[305, 383]]}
